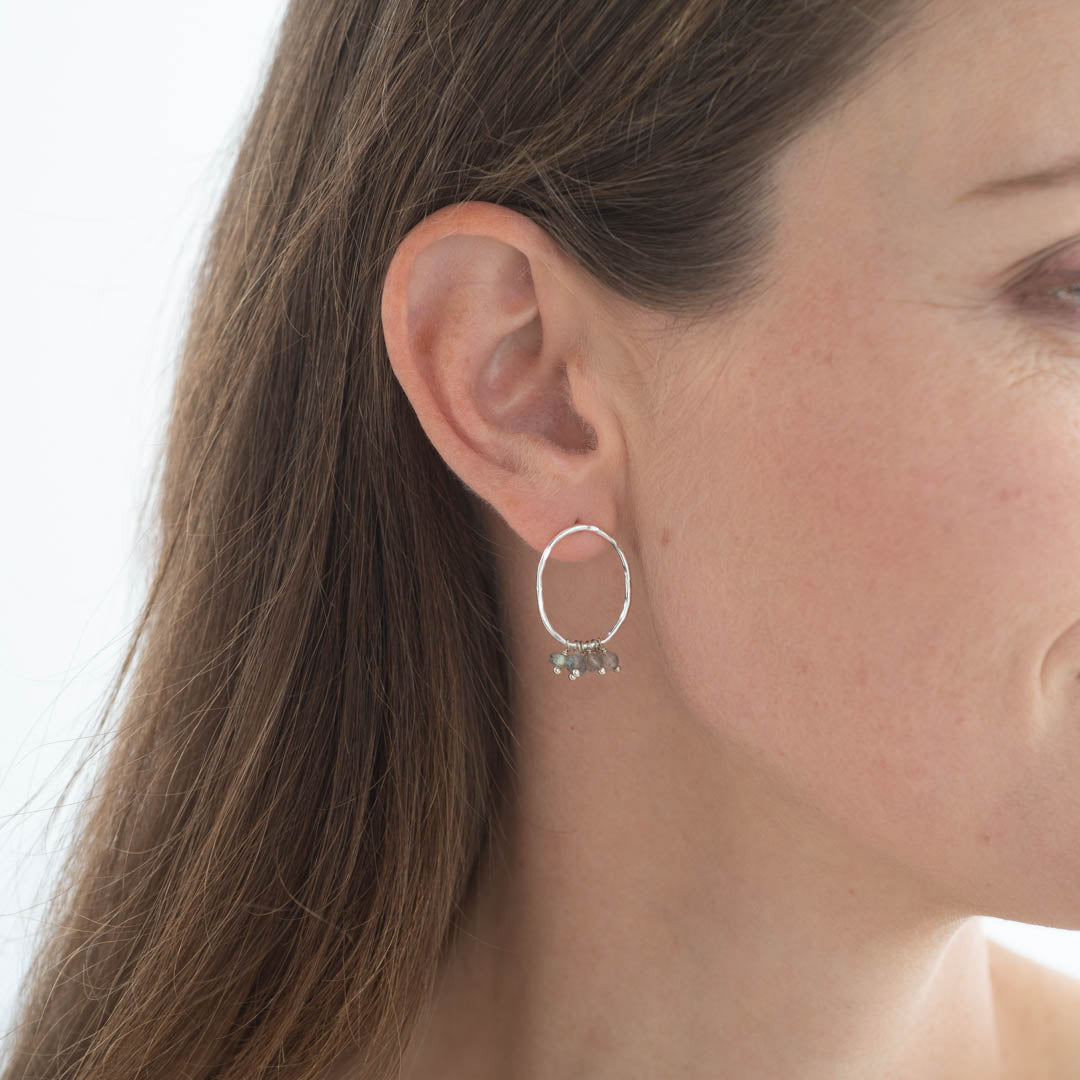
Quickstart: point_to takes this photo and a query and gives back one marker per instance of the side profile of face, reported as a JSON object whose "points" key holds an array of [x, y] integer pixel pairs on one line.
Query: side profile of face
{"points": [[852, 512], [872, 488]]}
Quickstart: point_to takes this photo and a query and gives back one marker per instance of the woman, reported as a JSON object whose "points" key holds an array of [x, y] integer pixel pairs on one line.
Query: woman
{"points": [[784, 301]]}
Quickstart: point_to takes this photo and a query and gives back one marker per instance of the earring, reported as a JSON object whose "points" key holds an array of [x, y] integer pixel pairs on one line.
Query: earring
{"points": [[578, 657]]}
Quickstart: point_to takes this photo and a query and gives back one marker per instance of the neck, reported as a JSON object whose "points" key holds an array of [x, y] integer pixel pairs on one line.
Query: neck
{"points": [[664, 901], [748, 948]]}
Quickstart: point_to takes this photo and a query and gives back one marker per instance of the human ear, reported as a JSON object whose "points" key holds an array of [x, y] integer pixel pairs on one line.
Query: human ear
{"points": [[491, 331]]}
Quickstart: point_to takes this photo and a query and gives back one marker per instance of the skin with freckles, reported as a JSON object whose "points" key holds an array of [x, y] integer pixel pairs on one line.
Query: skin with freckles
{"points": [[848, 718]]}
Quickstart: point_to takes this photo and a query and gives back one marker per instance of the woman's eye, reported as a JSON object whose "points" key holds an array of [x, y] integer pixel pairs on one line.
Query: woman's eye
{"points": [[1070, 293], [1053, 295], [1054, 285]]}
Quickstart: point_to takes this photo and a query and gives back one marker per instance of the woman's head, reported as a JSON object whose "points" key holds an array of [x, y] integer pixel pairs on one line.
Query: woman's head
{"points": [[683, 270], [849, 503]]}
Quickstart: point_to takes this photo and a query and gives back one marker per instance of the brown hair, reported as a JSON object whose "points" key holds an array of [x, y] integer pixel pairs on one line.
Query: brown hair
{"points": [[307, 764]]}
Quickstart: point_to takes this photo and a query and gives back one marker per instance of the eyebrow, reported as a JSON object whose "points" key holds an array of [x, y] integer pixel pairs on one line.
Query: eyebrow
{"points": [[1057, 175]]}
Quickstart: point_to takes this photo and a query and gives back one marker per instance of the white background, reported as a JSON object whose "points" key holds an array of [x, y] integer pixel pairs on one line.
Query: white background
{"points": [[121, 121]]}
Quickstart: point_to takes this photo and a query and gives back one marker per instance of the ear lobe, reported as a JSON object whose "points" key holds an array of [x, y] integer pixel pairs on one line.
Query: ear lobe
{"points": [[487, 342]]}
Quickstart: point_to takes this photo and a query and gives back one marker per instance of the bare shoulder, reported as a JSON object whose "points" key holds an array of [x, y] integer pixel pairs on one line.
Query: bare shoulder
{"points": [[1039, 1010]]}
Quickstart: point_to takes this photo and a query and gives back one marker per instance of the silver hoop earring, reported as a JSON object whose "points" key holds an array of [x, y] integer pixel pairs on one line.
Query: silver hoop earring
{"points": [[578, 657]]}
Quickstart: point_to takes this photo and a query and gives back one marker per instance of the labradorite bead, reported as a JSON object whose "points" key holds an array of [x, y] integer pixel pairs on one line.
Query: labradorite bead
{"points": [[570, 661]]}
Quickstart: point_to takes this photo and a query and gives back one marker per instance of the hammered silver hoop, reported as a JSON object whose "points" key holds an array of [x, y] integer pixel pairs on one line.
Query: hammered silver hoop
{"points": [[578, 657]]}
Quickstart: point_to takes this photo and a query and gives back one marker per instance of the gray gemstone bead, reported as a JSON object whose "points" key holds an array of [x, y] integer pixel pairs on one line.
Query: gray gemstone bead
{"points": [[577, 663], [571, 661]]}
